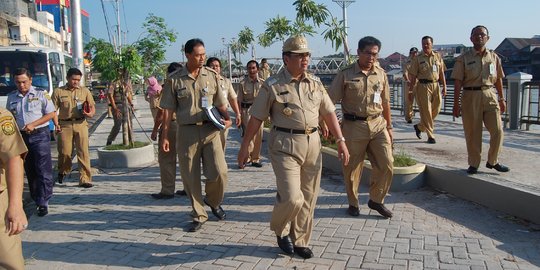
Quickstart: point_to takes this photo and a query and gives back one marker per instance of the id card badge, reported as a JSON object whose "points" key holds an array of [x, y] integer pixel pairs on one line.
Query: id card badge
{"points": [[204, 101], [377, 98], [491, 69], [435, 68]]}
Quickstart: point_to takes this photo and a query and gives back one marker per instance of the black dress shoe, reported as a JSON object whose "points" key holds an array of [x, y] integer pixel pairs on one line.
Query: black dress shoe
{"points": [[303, 252], [42, 211], [195, 226], [353, 211], [499, 167], [160, 196], [379, 207], [86, 185], [218, 212], [285, 243], [256, 164], [61, 178], [431, 140], [417, 131], [181, 193], [409, 121], [472, 170]]}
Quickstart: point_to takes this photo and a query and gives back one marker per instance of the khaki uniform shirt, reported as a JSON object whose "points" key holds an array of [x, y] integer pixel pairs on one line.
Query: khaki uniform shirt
{"points": [[427, 66], [307, 99], [476, 69], [11, 144], [249, 89], [406, 68], [227, 88], [357, 91], [185, 94], [69, 101], [264, 73]]}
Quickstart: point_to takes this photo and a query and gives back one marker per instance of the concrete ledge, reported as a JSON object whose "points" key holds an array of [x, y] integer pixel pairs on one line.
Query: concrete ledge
{"points": [[130, 158]]}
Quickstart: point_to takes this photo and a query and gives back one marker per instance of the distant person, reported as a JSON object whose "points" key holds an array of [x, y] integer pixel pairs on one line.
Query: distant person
{"points": [[153, 92], [247, 92], [12, 217], [227, 88], [33, 109], [364, 93], [479, 72], [264, 71], [408, 91], [116, 96], [101, 96], [74, 104], [189, 92], [166, 160], [428, 70], [294, 100]]}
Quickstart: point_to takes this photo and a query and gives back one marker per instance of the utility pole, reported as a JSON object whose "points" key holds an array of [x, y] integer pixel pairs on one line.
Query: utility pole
{"points": [[228, 56], [76, 34], [344, 4], [119, 38]]}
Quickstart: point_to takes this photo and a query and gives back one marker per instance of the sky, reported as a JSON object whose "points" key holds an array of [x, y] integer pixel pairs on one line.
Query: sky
{"points": [[398, 24]]}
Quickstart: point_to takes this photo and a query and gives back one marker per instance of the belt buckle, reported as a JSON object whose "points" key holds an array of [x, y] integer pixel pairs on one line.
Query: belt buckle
{"points": [[199, 123], [485, 87], [309, 130]]}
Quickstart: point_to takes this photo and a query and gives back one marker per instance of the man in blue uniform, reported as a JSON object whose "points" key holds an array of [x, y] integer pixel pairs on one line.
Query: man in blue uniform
{"points": [[33, 109]]}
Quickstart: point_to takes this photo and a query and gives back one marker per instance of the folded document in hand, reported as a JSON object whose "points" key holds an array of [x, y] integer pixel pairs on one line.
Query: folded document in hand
{"points": [[215, 117]]}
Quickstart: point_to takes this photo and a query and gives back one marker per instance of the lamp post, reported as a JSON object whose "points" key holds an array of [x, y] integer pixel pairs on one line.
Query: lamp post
{"points": [[344, 4]]}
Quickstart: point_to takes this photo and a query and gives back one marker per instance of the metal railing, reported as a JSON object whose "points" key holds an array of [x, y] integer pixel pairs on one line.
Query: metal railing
{"points": [[530, 109]]}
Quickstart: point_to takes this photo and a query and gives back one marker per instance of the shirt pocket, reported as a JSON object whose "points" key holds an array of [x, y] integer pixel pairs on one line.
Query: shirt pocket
{"points": [[182, 93], [314, 101]]}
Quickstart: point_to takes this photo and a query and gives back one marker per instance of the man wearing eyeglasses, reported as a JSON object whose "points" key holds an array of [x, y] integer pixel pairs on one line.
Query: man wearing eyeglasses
{"points": [[294, 100], [428, 70], [362, 88]]}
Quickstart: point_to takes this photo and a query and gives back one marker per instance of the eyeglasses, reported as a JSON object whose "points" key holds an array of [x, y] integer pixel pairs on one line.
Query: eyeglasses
{"points": [[300, 55], [372, 54]]}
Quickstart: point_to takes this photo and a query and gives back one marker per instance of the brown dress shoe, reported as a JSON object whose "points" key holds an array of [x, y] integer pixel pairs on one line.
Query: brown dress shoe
{"points": [[379, 207], [353, 211]]}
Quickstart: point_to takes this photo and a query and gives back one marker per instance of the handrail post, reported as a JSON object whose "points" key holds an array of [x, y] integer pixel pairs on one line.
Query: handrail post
{"points": [[515, 97]]}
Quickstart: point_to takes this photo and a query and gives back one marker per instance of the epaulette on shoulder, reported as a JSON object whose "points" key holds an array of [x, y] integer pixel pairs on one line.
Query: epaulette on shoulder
{"points": [[271, 80], [210, 70], [174, 72], [314, 77]]}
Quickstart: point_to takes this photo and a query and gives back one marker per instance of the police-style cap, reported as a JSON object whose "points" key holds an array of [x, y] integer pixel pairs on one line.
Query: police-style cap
{"points": [[296, 44], [413, 49]]}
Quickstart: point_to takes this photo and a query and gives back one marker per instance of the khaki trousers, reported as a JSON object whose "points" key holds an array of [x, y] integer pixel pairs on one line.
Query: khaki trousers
{"points": [[223, 134], [408, 109], [167, 162], [481, 107], [11, 256], [428, 98], [193, 144], [297, 164], [117, 124], [371, 138], [74, 133], [255, 144]]}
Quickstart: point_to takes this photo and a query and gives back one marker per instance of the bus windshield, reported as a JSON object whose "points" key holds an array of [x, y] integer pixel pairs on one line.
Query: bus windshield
{"points": [[35, 62]]}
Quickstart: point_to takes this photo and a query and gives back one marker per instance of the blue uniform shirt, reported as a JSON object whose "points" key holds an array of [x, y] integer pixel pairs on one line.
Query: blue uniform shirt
{"points": [[29, 108]]}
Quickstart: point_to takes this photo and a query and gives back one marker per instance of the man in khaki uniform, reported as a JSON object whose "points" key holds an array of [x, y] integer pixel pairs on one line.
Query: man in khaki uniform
{"points": [[294, 100], [166, 160], [188, 92], [12, 217], [428, 70], [70, 101], [227, 88], [115, 96], [478, 71], [362, 88], [408, 91], [264, 71], [247, 92]]}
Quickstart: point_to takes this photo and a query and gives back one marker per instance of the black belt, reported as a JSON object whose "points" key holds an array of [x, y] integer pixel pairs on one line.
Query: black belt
{"points": [[425, 81], [296, 131], [352, 117], [245, 105], [198, 123], [36, 130], [72, 119], [478, 88]]}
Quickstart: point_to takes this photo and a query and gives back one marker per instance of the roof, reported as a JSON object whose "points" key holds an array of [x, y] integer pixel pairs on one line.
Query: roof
{"points": [[521, 43]]}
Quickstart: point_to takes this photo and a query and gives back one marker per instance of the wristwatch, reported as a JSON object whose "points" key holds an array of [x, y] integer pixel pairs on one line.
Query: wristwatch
{"points": [[340, 139]]}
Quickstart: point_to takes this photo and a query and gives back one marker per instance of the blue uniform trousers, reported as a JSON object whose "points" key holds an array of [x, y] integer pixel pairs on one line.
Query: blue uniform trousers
{"points": [[38, 165]]}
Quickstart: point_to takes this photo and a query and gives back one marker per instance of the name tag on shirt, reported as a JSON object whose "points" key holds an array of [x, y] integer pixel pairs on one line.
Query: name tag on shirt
{"points": [[204, 101], [491, 69], [435, 69], [377, 98]]}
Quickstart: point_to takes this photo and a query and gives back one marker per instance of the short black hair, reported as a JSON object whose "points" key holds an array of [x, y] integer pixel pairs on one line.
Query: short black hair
{"points": [[252, 61], [212, 59], [427, 37], [264, 61], [22, 71], [192, 43], [368, 41], [73, 71], [174, 66], [479, 26]]}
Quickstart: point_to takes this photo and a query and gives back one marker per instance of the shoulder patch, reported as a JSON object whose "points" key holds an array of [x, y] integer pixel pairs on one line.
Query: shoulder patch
{"points": [[314, 78], [8, 128], [271, 81], [5, 118]]}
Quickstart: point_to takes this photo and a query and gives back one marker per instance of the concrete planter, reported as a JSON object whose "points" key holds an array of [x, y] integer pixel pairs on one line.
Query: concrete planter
{"points": [[405, 178], [130, 158]]}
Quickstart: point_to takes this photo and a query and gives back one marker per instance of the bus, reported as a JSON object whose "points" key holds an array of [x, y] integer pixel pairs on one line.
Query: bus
{"points": [[47, 66]]}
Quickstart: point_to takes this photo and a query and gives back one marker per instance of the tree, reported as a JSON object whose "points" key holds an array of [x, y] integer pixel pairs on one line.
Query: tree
{"points": [[152, 45]]}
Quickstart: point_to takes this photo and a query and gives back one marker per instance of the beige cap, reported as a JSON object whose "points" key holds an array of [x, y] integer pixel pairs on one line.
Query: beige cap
{"points": [[296, 44]]}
